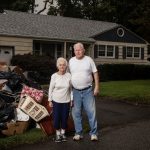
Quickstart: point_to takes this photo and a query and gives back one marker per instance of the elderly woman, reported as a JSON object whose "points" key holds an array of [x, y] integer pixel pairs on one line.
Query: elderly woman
{"points": [[59, 98]]}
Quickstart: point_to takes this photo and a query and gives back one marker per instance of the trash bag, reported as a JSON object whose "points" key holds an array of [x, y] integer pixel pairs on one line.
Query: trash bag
{"points": [[7, 97], [14, 83], [4, 75], [31, 77], [14, 80], [7, 113], [2, 103]]}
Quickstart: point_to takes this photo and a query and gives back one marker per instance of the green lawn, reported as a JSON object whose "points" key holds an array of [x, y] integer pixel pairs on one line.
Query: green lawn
{"points": [[31, 136], [134, 90]]}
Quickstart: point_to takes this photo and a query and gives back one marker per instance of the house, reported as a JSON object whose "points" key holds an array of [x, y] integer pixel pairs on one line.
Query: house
{"points": [[105, 42]]}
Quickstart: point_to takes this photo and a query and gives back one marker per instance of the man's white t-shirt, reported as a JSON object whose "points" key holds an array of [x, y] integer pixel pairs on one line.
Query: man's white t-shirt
{"points": [[81, 71]]}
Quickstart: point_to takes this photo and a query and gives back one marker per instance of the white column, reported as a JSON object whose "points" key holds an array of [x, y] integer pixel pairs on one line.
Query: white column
{"points": [[91, 49]]}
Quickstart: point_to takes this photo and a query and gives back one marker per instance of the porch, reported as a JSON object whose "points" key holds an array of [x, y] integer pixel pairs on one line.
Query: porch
{"points": [[56, 49]]}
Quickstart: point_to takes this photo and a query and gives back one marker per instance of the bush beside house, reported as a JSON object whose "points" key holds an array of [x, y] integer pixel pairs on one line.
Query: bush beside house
{"points": [[113, 72], [40, 67]]}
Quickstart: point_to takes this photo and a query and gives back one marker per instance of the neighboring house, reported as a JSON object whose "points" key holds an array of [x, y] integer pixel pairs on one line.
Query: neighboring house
{"points": [[105, 42]]}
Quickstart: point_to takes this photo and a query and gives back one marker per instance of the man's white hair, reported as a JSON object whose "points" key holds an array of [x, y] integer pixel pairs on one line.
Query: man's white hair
{"points": [[61, 59], [80, 45]]}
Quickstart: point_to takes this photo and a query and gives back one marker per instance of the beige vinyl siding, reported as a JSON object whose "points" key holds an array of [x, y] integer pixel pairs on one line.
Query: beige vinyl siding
{"points": [[21, 45]]}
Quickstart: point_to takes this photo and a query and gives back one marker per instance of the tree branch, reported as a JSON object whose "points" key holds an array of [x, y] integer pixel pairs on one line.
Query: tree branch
{"points": [[45, 5]]}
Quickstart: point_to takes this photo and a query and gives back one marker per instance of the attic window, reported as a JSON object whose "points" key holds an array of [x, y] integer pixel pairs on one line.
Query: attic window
{"points": [[120, 32]]}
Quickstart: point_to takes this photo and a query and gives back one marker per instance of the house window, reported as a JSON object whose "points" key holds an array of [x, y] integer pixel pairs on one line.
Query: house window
{"points": [[129, 51], [136, 52], [106, 51], [110, 51], [133, 52], [120, 32], [36, 50], [101, 50]]}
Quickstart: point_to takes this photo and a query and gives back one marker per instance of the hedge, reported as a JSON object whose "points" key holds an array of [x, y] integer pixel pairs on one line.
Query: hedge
{"points": [[43, 67], [123, 72]]}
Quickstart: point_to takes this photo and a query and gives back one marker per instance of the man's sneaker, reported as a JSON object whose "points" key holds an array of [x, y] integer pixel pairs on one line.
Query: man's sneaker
{"points": [[94, 137], [77, 137], [63, 138], [58, 139]]}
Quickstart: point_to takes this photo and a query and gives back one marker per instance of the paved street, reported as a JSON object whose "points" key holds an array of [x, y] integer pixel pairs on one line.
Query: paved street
{"points": [[121, 127]]}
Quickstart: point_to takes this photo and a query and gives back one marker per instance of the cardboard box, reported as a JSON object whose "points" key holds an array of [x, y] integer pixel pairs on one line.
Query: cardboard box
{"points": [[17, 127]]}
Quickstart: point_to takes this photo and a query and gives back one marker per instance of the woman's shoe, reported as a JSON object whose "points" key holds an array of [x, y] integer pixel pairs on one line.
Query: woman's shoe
{"points": [[58, 139], [63, 138]]}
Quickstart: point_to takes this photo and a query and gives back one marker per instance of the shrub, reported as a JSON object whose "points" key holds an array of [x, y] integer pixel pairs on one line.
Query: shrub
{"points": [[40, 67], [110, 72]]}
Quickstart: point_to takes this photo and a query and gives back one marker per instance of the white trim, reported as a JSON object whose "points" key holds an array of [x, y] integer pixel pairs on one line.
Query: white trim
{"points": [[118, 32], [106, 50], [119, 43]]}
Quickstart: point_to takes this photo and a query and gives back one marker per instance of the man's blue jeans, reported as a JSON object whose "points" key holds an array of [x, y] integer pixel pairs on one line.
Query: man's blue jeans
{"points": [[84, 99]]}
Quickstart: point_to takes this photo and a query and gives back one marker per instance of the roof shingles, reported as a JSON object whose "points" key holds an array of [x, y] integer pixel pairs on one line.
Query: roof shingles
{"points": [[51, 27]]}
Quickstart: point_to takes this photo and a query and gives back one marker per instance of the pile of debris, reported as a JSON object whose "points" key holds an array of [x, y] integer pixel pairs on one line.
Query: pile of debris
{"points": [[22, 101]]}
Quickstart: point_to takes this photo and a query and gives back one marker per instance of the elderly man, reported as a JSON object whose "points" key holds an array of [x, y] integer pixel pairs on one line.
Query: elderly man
{"points": [[83, 69]]}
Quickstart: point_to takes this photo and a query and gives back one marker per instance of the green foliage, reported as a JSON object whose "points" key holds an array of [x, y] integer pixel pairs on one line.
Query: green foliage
{"points": [[28, 137], [43, 65], [18, 5], [53, 11], [66, 8], [109, 72]]}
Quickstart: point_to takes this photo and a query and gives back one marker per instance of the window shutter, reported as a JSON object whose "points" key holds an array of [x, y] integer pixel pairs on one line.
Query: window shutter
{"points": [[124, 53], [142, 53], [148, 50], [95, 51], [116, 52]]}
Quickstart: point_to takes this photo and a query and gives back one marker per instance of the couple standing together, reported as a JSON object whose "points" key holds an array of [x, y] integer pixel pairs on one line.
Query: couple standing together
{"points": [[74, 89]]}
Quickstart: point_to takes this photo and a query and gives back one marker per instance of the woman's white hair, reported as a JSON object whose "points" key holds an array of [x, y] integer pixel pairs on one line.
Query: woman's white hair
{"points": [[61, 59]]}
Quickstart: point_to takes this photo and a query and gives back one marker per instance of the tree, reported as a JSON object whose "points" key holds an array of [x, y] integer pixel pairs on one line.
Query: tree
{"points": [[18, 5], [140, 19], [67, 8], [45, 6]]}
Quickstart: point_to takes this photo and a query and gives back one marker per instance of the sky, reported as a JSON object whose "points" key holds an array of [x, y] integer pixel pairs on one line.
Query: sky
{"points": [[41, 6]]}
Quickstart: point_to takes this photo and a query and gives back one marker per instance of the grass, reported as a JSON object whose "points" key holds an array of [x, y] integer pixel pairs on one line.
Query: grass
{"points": [[31, 136], [134, 90]]}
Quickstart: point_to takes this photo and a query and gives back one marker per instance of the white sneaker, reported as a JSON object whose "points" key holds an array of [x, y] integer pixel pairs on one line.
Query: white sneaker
{"points": [[94, 137], [77, 137]]}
